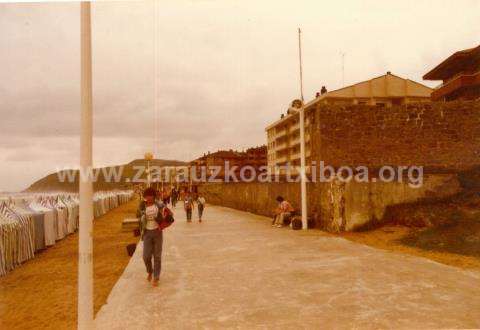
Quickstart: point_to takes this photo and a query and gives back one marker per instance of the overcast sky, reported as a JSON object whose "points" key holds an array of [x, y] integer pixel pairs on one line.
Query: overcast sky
{"points": [[226, 70]]}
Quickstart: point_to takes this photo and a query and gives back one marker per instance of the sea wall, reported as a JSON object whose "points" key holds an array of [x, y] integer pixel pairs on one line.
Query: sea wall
{"points": [[333, 206]]}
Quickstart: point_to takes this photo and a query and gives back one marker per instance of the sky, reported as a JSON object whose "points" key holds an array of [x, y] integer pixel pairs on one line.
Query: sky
{"points": [[226, 69]]}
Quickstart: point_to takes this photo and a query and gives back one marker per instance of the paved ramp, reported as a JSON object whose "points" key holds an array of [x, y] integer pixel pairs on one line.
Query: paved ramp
{"points": [[235, 271]]}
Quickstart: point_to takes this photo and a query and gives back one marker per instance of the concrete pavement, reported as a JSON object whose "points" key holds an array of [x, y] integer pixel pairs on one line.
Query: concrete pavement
{"points": [[235, 271]]}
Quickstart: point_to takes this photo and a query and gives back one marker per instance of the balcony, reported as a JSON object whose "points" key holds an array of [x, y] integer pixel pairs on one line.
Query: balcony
{"points": [[280, 159], [296, 141], [457, 82], [297, 155], [295, 127], [281, 146], [280, 134]]}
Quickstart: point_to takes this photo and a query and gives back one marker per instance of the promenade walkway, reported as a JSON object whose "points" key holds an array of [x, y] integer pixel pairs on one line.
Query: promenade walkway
{"points": [[235, 270]]}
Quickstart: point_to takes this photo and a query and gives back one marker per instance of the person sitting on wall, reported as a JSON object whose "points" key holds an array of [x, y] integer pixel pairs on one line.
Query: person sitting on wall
{"points": [[283, 212]]}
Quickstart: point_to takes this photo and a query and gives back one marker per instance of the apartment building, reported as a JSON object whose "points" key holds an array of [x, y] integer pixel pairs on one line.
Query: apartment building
{"points": [[283, 139], [283, 136]]}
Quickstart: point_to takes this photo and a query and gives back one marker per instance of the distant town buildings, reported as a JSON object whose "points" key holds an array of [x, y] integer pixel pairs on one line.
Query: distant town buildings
{"points": [[460, 74], [283, 136], [255, 157]]}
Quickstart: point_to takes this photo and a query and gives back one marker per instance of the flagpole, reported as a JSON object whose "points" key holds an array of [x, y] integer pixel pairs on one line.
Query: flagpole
{"points": [[85, 243], [303, 178], [156, 150], [148, 157]]}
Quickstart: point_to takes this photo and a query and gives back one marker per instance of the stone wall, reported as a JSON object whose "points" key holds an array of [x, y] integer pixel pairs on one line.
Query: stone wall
{"points": [[441, 137], [250, 197], [334, 206]]}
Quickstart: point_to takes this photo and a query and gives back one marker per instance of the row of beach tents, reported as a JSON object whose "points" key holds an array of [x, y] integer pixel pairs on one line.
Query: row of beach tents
{"points": [[34, 222]]}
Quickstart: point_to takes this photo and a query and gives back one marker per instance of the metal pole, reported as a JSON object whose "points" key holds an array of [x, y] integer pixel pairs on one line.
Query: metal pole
{"points": [[148, 174], [156, 85], [189, 179], [85, 243], [303, 177], [162, 176]]}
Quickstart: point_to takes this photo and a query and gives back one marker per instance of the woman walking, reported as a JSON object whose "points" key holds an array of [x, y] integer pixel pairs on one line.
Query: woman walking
{"points": [[201, 206]]}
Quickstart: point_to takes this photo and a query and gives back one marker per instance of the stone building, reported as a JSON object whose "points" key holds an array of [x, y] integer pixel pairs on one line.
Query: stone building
{"points": [[283, 136], [460, 74]]}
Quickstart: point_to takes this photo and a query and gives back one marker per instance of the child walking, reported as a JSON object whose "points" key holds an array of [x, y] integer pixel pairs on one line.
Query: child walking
{"points": [[188, 206]]}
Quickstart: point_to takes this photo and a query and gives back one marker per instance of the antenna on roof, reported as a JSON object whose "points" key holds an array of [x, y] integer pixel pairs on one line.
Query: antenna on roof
{"points": [[343, 69]]}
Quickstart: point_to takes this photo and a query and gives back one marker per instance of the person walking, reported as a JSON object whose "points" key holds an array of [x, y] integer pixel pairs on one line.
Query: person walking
{"points": [[174, 196], [201, 206], [165, 197], [158, 197], [188, 206], [154, 217]]}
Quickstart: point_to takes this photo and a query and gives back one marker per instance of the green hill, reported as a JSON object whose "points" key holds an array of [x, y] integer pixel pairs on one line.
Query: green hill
{"points": [[67, 180]]}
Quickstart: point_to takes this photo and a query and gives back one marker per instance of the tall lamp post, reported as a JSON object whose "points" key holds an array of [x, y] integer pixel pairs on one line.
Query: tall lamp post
{"points": [[303, 176], [190, 178], [85, 244], [163, 177], [148, 158]]}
